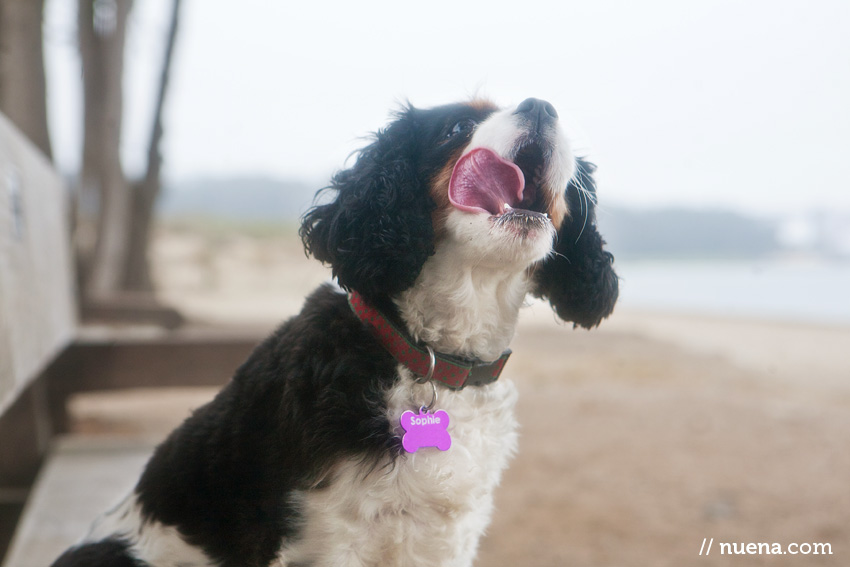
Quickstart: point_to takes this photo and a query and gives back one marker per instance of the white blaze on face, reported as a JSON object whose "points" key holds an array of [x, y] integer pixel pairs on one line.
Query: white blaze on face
{"points": [[488, 183], [503, 133], [500, 132]]}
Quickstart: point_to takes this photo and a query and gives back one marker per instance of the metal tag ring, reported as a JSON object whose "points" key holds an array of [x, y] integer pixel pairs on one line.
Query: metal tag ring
{"points": [[433, 403]]}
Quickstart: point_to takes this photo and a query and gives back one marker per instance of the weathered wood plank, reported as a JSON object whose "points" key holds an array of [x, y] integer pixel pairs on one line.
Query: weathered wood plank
{"points": [[37, 303], [128, 359], [82, 479]]}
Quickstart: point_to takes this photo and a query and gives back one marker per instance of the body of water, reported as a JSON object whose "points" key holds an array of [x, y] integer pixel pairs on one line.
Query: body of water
{"points": [[816, 292]]}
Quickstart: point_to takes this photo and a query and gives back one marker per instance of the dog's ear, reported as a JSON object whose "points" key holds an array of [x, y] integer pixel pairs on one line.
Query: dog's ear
{"points": [[578, 278], [376, 233]]}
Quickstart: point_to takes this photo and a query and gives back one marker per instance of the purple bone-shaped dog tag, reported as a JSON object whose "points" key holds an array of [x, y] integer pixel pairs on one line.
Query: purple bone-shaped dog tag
{"points": [[425, 430]]}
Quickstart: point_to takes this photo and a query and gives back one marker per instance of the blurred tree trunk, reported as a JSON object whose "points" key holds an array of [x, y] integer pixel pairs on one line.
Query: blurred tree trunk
{"points": [[137, 276], [112, 218], [104, 194], [22, 88]]}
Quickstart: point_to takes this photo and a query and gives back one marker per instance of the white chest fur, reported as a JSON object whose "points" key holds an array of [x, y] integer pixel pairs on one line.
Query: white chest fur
{"points": [[429, 507]]}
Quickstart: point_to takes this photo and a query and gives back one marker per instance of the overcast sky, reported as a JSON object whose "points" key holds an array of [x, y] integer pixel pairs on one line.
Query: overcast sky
{"points": [[735, 104]]}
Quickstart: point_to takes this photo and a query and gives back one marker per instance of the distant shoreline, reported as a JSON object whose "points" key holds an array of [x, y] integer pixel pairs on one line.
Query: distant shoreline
{"points": [[780, 291]]}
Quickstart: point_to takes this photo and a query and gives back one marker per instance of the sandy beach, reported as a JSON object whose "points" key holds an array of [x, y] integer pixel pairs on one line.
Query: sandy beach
{"points": [[638, 440]]}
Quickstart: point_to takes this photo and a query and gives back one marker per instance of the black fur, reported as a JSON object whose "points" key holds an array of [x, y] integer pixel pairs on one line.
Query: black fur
{"points": [[105, 553], [377, 232], [314, 392], [579, 279], [311, 393]]}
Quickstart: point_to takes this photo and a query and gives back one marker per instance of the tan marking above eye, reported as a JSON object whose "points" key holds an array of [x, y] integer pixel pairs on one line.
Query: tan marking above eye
{"points": [[482, 104]]}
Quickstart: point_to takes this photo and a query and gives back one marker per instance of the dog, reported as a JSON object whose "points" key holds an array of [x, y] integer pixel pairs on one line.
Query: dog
{"points": [[372, 428]]}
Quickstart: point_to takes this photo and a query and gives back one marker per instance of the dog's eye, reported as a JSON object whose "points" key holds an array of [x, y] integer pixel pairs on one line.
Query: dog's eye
{"points": [[461, 128]]}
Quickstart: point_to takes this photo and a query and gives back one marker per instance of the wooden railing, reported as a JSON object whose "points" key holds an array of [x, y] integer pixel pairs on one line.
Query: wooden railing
{"points": [[46, 355]]}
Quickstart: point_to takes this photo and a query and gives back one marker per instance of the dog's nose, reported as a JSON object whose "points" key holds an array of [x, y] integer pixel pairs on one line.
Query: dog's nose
{"points": [[538, 111]]}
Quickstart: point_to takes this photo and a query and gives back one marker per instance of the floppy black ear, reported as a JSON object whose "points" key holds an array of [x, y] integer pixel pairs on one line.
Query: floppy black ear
{"points": [[376, 233], [578, 278]]}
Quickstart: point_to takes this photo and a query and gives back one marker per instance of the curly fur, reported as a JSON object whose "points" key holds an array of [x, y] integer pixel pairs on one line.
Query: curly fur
{"points": [[377, 232], [578, 278], [298, 460]]}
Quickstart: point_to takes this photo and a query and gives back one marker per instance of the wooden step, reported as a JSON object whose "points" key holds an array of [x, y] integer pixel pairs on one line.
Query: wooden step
{"points": [[82, 478]]}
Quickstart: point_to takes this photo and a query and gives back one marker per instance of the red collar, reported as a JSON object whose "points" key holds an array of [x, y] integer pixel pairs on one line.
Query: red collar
{"points": [[453, 371]]}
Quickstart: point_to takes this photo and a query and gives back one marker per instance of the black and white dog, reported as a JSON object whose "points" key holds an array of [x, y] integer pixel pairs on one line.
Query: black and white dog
{"points": [[372, 428]]}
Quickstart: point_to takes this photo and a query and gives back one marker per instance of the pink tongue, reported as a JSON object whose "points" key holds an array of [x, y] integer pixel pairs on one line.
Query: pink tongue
{"points": [[483, 182]]}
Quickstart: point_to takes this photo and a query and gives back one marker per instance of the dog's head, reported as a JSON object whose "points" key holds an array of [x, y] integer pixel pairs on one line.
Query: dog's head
{"points": [[498, 188]]}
